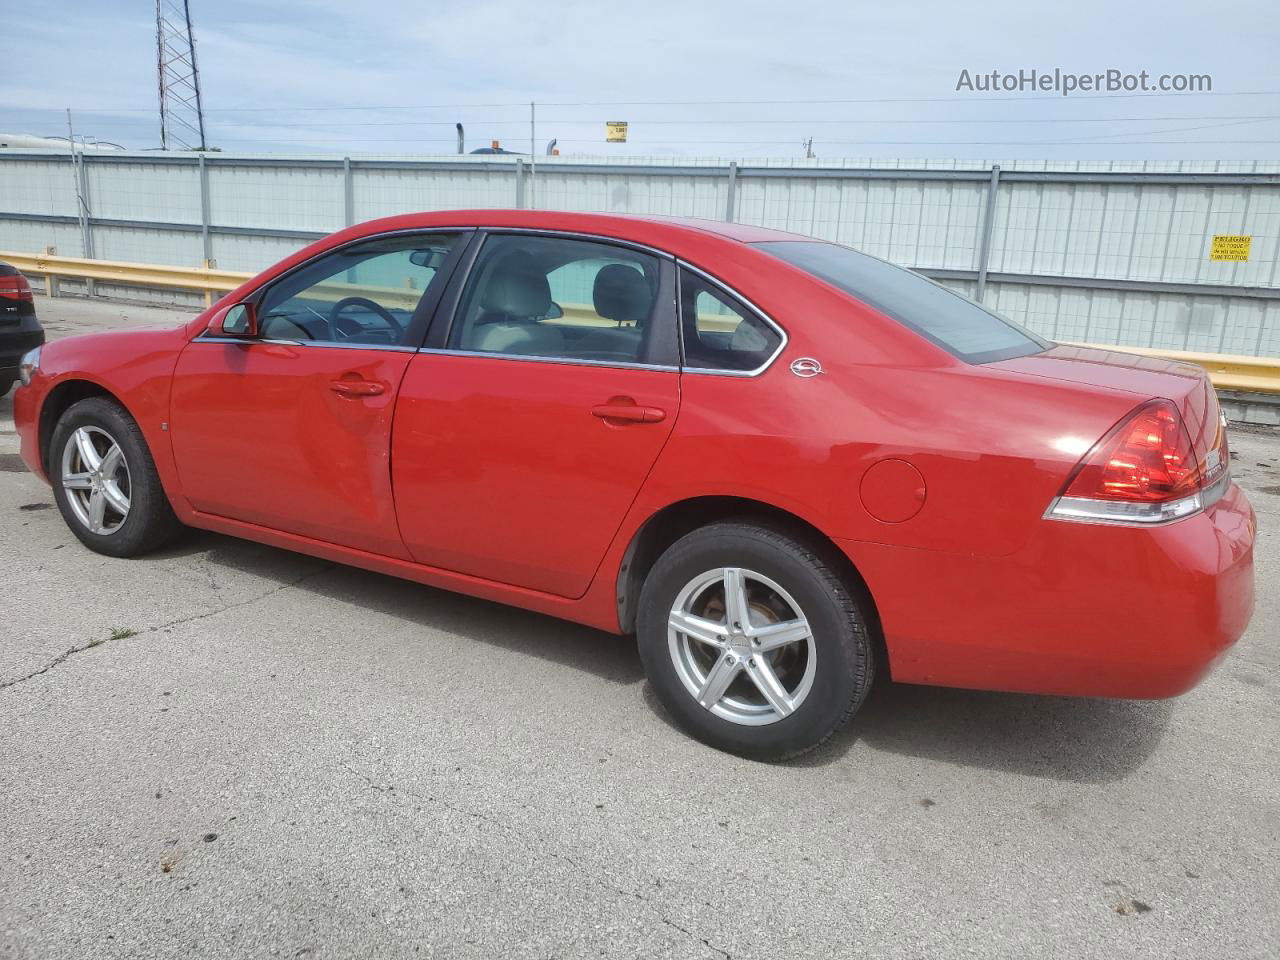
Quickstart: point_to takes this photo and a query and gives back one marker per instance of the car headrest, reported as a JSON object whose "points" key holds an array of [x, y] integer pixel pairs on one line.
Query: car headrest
{"points": [[621, 293], [518, 288]]}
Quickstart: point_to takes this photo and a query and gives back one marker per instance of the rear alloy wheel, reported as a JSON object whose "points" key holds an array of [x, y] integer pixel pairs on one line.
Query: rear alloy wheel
{"points": [[741, 646], [752, 641], [105, 482]]}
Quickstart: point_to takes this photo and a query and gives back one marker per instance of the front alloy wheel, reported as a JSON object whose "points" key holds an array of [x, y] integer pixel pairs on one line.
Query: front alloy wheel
{"points": [[95, 476], [105, 481]]}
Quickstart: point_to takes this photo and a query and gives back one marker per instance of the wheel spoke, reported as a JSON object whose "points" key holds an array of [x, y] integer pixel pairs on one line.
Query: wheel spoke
{"points": [[88, 452], [761, 673], [698, 628], [777, 635], [718, 679], [115, 498], [735, 599], [111, 462], [77, 481], [97, 508]]}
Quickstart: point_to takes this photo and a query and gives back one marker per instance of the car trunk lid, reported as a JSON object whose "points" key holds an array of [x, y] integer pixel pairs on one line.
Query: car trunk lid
{"points": [[1145, 377]]}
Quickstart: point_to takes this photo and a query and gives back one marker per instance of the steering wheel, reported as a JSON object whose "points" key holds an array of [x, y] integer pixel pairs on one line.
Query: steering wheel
{"points": [[367, 304]]}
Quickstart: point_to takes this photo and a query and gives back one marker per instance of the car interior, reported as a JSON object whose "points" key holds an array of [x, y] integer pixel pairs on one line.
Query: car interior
{"points": [[510, 307], [364, 295]]}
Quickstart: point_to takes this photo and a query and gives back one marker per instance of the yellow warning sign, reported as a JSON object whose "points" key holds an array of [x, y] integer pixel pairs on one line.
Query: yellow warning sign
{"points": [[1230, 246], [615, 131]]}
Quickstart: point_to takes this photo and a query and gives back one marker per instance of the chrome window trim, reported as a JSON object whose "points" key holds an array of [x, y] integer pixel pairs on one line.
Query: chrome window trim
{"points": [[709, 371], [565, 361], [247, 341]]}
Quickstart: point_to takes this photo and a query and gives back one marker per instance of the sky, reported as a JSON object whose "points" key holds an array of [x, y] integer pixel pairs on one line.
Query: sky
{"points": [[693, 78]]}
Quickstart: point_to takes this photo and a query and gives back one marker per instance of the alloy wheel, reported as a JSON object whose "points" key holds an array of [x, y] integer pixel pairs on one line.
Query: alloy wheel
{"points": [[95, 476], [741, 646]]}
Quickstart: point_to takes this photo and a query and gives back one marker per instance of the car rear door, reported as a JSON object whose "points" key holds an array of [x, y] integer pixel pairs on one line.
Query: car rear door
{"points": [[525, 429], [291, 430]]}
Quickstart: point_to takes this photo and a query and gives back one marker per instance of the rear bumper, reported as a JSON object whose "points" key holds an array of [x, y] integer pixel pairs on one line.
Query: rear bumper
{"points": [[14, 342], [1084, 610]]}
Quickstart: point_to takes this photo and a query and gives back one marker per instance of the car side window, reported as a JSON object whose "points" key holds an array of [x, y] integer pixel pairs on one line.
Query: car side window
{"points": [[718, 332], [555, 297], [362, 294]]}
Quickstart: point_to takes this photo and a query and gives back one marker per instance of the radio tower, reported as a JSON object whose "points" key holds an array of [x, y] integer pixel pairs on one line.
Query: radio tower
{"points": [[181, 112]]}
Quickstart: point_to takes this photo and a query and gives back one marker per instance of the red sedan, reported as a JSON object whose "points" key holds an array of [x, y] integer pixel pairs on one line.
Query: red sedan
{"points": [[781, 463]]}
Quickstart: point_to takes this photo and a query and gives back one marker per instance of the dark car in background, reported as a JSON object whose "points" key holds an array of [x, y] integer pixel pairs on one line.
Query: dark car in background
{"points": [[20, 331]]}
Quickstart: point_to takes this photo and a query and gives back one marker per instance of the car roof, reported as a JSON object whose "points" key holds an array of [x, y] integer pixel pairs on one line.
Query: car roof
{"points": [[608, 224], [743, 232]]}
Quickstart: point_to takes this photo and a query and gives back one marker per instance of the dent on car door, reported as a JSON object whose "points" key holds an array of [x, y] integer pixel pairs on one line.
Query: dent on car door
{"points": [[525, 430], [291, 429]]}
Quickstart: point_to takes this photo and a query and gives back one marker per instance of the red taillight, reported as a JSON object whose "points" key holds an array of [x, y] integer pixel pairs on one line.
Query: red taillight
{"points": [[15, 287], [1148, 458]]}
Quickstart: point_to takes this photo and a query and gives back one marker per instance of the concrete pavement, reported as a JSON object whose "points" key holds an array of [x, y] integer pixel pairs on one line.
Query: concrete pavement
{"points": [[226, 750]]}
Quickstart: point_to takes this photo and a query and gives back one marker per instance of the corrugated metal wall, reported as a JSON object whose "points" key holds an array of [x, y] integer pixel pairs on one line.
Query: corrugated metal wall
{"points": [[1104, 252]]}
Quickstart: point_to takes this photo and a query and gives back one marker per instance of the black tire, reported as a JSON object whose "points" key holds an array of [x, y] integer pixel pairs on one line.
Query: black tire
{"points": [[150, 522], [845, 659], [5, 387]]}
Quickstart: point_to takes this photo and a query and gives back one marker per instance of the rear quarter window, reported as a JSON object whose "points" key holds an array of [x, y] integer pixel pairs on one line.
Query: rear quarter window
{"points": [[958, 325]]}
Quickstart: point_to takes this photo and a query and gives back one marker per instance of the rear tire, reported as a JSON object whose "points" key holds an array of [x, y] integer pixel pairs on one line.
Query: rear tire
{"points": [[105, 482], [793, 671]]}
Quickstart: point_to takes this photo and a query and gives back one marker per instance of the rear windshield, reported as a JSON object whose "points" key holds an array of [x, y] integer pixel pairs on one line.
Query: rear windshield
{"points": [[958, 325]]}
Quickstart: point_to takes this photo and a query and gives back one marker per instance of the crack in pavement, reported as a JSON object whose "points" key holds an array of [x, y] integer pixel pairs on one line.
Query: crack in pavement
{"points": [[100, 641], [586, 871]]}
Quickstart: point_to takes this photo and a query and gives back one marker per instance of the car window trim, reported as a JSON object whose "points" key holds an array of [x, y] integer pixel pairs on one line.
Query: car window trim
{"points": [[447, 313], [564, 361], [739, 298], [311, 344]]}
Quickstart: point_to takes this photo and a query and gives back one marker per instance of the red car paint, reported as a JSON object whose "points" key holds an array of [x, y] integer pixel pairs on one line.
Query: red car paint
{"points": [[489, 475]]}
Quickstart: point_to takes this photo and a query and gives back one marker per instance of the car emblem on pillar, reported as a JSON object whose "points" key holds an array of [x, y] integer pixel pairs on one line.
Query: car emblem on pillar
{"points": [[806, 367]]}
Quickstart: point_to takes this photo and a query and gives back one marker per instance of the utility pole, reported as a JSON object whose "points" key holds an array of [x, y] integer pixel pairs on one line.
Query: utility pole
{"points": [[533, 157], [808, 148]]}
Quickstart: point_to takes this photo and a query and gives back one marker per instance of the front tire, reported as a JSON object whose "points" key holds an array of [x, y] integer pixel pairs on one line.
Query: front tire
{"points": [[752, 640], [105, 481]]}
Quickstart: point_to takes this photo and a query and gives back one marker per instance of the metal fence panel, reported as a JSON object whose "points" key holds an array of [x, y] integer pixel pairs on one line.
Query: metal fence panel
{"points": [[1103, 241]]}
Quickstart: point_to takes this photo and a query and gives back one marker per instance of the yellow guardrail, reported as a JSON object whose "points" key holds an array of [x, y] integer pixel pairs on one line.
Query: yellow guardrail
{"points": [[207, 280], [1242, 373], [1227, 371]]}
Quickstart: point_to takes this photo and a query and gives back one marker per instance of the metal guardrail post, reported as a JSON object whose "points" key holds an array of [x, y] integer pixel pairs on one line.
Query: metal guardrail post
{"points": [[50, 281], [206, 241], [348, 193], [988, 223], [519, 183], [209, 264], [731, 192]]}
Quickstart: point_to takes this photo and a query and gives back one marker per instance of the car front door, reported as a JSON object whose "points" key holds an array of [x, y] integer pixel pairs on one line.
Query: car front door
{"points": [[526, 428], [291, 430]]}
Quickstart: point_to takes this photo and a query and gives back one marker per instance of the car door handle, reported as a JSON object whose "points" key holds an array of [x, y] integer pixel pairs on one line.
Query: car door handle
{"points": [[357, 388], [629, 412]]}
